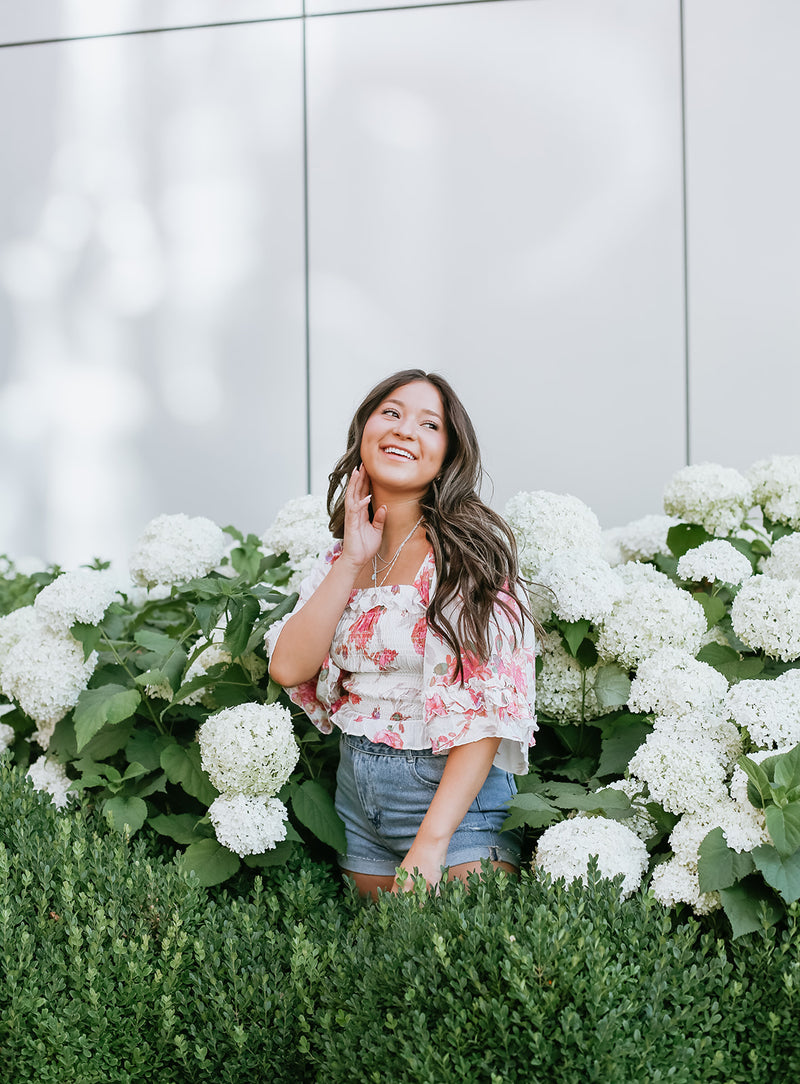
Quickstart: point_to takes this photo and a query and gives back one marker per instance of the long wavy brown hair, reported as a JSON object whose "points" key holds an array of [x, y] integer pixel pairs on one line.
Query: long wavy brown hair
{"points": [[474, 548]]}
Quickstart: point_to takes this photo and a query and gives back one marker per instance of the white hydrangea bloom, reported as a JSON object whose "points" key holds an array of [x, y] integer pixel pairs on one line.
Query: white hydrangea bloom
{"points": [[684, 772], [176, 548], [584, 584], [7, 737], [776, 488], [48, 775], [249, 748], [766, 616], [633, 573], [564, 689], [564, 850], [301, 530], [768, 710], [741, 830], [718, 498], [644, 538], [248, 824], [547, 523], [83, 595], [672, 682], [612, 546], [640, 821], [784, 561], [649, 616], [716, 560], [542, 602], [45, 673], [13, 627], [673, 883]]}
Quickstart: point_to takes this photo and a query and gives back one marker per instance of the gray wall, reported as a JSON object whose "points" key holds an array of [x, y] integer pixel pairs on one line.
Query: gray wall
{"points": [[221, 220]]}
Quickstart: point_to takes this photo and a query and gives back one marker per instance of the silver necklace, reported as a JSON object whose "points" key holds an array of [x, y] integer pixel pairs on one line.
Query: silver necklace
{"points": [[393, 561]]}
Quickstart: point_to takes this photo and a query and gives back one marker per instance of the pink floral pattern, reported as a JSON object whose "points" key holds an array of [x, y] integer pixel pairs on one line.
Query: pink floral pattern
{"points": [[392, 678]]}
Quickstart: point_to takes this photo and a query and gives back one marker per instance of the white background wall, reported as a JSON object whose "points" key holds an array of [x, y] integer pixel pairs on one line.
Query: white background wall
{"points": [[209, 233]]}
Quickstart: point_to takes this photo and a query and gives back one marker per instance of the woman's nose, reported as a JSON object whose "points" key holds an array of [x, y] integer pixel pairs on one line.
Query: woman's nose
{"points": [[403, 428]]}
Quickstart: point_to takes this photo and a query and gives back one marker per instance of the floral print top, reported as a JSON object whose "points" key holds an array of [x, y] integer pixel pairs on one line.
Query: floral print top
{"points": [[393, 679]]}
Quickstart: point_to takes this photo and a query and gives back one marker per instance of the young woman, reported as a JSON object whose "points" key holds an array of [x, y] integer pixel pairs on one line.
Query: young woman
{"points": [[411, 635]]}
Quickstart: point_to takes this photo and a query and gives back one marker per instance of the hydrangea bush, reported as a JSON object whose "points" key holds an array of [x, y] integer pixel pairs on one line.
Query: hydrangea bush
{"points": [[668, 691], [149, 693]]}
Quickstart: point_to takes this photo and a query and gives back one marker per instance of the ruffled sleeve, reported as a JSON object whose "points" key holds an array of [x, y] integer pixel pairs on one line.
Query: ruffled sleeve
{"points": [[312, 695], [497, 698]]}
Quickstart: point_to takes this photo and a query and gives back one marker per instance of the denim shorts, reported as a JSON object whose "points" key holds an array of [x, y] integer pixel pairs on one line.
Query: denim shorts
{"points": [[382, 794]]}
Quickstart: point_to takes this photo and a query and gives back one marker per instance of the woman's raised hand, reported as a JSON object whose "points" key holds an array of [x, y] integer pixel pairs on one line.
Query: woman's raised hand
{"points": [[362, 538]]}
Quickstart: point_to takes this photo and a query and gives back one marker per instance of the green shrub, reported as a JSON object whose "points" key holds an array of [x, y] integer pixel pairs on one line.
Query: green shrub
{"points": [[118, 967]]}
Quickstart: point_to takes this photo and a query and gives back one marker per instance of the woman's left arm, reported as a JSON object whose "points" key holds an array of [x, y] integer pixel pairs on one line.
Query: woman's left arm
{"points": [[464, 774]]}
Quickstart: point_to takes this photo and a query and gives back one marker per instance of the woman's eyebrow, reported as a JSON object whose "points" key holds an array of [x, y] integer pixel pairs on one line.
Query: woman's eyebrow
{"points": [[399, 402]]}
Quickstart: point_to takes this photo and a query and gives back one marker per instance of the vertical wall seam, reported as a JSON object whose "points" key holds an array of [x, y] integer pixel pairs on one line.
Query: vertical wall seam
{"points": [[686, 369], [305, 260]]}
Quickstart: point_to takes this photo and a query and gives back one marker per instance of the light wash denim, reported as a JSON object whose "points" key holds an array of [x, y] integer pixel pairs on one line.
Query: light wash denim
{"points": [[382, 794]]}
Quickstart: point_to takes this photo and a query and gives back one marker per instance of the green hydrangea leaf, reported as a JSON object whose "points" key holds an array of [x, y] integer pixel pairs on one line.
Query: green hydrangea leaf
{"points": [[124, 812], [749, 905], [182, 765], [686, 536], [212, 862], [182, 827], [713, 607], [110, 704], [718, 866], [620, 745], [533, 810], [313, 806], [783, 825], [781, 872], [612, 686]]}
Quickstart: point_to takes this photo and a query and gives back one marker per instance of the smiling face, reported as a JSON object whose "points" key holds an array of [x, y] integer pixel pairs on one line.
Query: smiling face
{"points": [[405, 438]]}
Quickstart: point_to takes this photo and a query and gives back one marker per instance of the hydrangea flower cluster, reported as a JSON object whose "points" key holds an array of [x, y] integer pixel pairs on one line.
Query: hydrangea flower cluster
{"points": [[672, 682], [718, 498], [768, 710], [649, 616], [766, 616], [249, 748], [301, 530], [683, 765], [45, 672], [776, 488], [248, 824], [672, 882], [565, 848], [783, 562], [48, 775], [716, 560], [548, 523], [173, 549], [83, 595], [583, 584], [249, 752], [643, 539]]}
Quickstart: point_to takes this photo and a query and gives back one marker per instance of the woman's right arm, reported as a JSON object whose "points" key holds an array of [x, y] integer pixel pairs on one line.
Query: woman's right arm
{"points": [[306, 637]]}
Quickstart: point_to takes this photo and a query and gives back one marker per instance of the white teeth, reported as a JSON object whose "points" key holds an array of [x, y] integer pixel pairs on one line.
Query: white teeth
{"points": [[398, 451]]}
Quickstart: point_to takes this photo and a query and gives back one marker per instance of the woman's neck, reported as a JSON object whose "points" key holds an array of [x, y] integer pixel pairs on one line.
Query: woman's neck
{"points": [[401, 518]]}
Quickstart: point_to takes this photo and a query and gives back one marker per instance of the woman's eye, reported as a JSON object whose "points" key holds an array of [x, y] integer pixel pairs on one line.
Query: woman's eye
{"points": [[432, 425], [390, 410]]}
